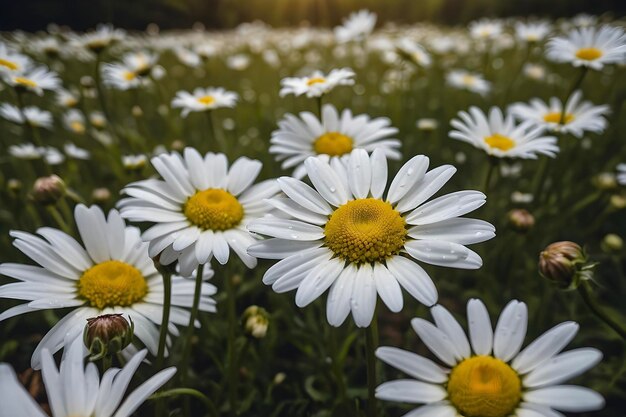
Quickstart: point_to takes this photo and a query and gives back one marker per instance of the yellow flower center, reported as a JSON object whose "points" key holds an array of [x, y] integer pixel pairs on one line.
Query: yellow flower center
{"points": [[213, 209], [469, 80], [483, 386], [333, 144], [315, 80], [77, 127], [365, 230], [555, 117], [25, 82], [206, 100], [499, 141], [8, 64], [112, 283], [129, 75], [588, 54]]}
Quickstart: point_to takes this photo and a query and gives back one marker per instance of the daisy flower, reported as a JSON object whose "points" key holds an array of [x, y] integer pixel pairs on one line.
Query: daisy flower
{"points": [[36, 80], [204, 99], [532, 32], [334, 135], [120, 77], [621, 174], [75, 152], [356, 27], [344, 234], [25, 151], [12, 62], [77, 390], [465, 80], [317, 84], [488, 375], [485, 29], [499, 136], [112, 273], [98, 40], [66, 98], [589, 47], [74, 121], [414, 52], [141, 63], [200, 209], [34, 116], [580, 116]]}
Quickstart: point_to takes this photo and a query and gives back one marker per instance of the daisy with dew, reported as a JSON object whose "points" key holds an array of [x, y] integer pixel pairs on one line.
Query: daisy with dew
{"points": [[12, 62], [499, 136], [465, 80], [579, 116], [204, 99], [348, 235], [35, 80], [200, 209], [356, 27], [77, 390], [317, 84], [589, 47], [489, 374], [112, 273], [299, 137], [532, 32], [34, 116]]}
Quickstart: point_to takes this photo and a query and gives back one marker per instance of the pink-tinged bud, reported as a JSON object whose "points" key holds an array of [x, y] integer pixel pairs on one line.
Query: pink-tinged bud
{"points": [[107, 335], [48, 190], [560, 262], [521, 220]]}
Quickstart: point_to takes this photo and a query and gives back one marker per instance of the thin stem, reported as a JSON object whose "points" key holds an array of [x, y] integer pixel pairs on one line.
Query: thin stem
{"points": [[371, 342], [493, 163], [184, 366], [54, 212], [577, 82], [100, 90], [232, 355], [586, 293], [319, 106], [540, 178]]}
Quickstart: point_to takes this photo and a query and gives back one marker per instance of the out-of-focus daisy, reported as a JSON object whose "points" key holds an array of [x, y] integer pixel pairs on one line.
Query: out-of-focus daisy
{"points": [[468, 81], [97, 120], [335, 135], [98, 40], [112, 273], [485, 29], [74, 121], [204, 99], [66, 98], [534, 71], [52, 155], [238, 62], [36, 80], [34, 116], [120, 77], [486, 374], [12, 62], [77, 390], [134, 162], [356, 27], [343, 234], [427, 124], [500, 136], [414, 52], [580, 116], [200, 209], [25, 151], [584, 20], [141, 62], [589, 47], [621, 174], [532, 32], [75, 152], [317, 84], [187, 57]]}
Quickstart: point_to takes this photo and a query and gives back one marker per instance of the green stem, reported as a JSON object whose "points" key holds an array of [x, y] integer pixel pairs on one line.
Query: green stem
{"points": [[577, 82], [100, 90], [586, 293], [371, 342], [319, 106], [232, 359], [540, 178], [493, 164], [54, 212], [186, 391]]}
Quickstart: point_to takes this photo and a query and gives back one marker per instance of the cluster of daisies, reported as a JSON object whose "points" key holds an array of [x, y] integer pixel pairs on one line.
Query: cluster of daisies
{"points": [[338, 224]]}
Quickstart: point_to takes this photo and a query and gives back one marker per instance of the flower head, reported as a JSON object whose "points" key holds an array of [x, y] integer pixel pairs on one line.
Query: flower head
{"points": [[317, 84], [204, 99], [589, 47], [35, 80], [356, 27], [465, 80], [34, 116]]}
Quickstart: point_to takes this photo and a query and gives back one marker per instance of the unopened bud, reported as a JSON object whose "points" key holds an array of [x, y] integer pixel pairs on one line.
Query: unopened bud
{"points": [[107, 335], [48, 190], [521, 220], [256, 321], [561, 261], [612, 243]]}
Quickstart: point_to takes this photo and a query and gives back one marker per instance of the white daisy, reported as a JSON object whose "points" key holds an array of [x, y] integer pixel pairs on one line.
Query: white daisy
{"points": [[621, 174], [120, 77], [12, 62], [317, 84], [466, 80], [141, 63], [335, 135], [344, 235], [356, 27], [74, 121], [485, 29], [25, 151], [34, 116], [75, 152], [134, 162], [204, 99], [66, 98], [532, 32], [589, 47], [499, 136], [99, 39], [111, 274], [200, 209], [414, 52], [580, 116], [36, 80], [487, 375], [77, 390]]}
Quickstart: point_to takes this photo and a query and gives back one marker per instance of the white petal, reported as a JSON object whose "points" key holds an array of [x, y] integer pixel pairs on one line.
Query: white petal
{"points": [[388, 288], [480, 330], [141, 393], [286, 229], [317, 281], [359, 173], [363, 302], [326, 181], [221, 250], [545, 347], [563, 367], [412, 364], [510, 331], [15, 400], [413, 279], [410, 391], [304, 195], [446, 207], [338, 303], [409, 174], [435, 339], [567, 398], [448, 324], [442, 253], [378, 162]]}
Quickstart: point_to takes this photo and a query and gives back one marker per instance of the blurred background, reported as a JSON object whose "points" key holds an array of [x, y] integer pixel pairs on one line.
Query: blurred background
{"points": [[33, 15]]}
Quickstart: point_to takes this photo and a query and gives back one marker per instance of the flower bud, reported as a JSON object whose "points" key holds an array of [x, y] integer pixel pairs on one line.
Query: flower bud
{"points": [[521, 220], [256, 321], [560, 262], [107, 335], [612, 243], [48, 190]]}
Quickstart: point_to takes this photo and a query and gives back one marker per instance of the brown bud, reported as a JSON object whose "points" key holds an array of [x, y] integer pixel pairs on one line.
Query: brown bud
{"points": [[521, 220], [107, 335], [561, 261], [48, 190]]}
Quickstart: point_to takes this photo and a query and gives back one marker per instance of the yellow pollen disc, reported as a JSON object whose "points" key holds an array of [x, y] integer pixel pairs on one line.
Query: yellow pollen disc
{"points": [[112, 283], [499, 141], [469, 80], [316, 80], [588, 54], [25, 82], [77, 127], [213, 209], [555, 117], [365, 230], [8, 64], [333, 144], [206, 100], [483, 386], [129, 75]]}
